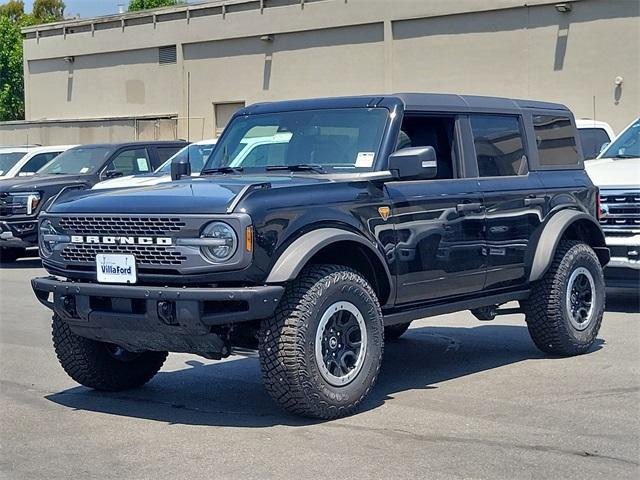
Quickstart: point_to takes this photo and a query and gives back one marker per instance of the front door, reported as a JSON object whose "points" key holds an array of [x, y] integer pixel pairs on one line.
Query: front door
{"points": [[439, 223]]}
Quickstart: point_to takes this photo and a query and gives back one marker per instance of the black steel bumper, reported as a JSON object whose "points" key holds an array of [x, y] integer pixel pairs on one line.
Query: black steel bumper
{"points": [[155, 318]]}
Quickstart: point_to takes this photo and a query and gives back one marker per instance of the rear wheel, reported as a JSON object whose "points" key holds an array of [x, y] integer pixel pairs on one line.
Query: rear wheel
{"points": [[565, 309], [321, 351], [103, 366]]}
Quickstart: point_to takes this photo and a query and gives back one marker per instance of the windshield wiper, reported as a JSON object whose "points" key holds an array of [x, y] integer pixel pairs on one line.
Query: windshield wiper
{"points": [[622, 155], [225, 169], [300, 167]]}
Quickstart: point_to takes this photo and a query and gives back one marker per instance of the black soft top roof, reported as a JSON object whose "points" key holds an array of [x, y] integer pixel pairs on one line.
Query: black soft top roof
{"points": [[114, 146], [410, 102]]}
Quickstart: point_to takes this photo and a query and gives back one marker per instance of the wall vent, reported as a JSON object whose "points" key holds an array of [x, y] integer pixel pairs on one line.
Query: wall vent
{"points": [[167, 55]]}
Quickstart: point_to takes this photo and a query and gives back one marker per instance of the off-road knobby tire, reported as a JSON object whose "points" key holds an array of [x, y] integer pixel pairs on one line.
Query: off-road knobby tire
{"points": [[10, 255], [89, 363], [287, 343], [545, 310], [393, 332]]}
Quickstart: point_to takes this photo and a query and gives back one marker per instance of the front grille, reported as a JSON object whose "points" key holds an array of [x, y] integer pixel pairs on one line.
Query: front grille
{"points": [[140, 226], [144, 254], [620, 210]]}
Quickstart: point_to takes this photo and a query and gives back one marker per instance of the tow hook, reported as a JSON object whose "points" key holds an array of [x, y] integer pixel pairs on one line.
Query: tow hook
{"points": [[167, 312]]}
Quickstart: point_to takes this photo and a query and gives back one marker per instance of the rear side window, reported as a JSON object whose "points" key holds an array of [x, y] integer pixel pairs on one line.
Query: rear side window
{"points": [[556, 141], [592, 140], [37, 162], [499, 145]]}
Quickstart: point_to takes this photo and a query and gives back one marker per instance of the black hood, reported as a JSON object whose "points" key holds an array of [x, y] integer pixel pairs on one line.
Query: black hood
{"points": [[40, 182], [210, 194]]}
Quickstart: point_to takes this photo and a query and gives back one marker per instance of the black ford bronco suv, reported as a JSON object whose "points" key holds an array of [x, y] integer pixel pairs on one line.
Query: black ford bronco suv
{"points": [[361, 215]]}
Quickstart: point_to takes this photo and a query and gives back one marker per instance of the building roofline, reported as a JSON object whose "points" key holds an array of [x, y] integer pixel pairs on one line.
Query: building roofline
{"points": [[189, 7]]}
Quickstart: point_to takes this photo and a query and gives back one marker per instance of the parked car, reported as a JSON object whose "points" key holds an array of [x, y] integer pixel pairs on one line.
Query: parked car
{"points": [[594, 136], [22, 198], [25, 161], [374, 212], [617, 173], [196, 153]]}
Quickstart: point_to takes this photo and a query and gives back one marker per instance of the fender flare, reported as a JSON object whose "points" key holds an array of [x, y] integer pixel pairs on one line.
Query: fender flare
{"points": [[298, 254], [553, 232]]}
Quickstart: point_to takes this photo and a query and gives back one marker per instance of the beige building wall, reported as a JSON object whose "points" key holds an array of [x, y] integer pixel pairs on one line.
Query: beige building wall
{"points": [[294, 49]]}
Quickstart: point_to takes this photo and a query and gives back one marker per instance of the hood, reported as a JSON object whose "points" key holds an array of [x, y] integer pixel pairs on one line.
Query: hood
{"points": [[614, 172], [37, 182], [133, 181], [203, 195]]}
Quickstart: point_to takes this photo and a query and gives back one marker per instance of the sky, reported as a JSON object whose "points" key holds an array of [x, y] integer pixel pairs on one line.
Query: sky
{"points": [[88, 8]]}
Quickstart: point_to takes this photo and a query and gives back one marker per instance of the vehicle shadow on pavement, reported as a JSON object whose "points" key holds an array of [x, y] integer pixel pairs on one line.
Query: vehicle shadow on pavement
{"points": [[623, 303], [230, 393]]}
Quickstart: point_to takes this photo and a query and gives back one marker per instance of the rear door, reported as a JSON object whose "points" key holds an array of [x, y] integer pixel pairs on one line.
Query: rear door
{"points": [[514, 198]]}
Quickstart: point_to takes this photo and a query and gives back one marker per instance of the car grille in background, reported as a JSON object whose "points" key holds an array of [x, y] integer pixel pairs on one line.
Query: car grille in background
{"points": [[620, 211], [145, 254], [140, 226]]}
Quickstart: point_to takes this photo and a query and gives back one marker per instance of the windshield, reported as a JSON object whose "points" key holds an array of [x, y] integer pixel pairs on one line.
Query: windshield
{"points": [[336, 140], [8, 160], [627, 145], [198, 154], [77, 161]]}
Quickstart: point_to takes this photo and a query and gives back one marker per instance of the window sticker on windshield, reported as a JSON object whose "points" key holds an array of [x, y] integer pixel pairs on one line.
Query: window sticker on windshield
{"points": [[142, 164], [365, 159], [84, 169]]}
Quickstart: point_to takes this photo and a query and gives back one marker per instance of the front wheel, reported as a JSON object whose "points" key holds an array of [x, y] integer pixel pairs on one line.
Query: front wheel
{"points": [[566, 306], [321, 351], [102, 366]]}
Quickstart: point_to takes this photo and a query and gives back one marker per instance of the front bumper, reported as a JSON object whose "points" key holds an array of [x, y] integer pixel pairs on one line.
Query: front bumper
{"points": [[625, 251], [19, 234], [155, 318]]}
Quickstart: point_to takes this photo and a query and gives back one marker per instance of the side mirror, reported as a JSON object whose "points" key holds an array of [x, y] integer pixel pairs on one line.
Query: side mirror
{"points": [[112, 174], [603, 147], [414, 163], [180, 167]]}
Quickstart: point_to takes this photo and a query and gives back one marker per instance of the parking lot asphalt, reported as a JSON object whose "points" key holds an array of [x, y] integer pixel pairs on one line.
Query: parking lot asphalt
{"points": [[456, 398]]}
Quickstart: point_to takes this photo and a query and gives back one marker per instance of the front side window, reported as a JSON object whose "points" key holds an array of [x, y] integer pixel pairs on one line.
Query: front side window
{"points": [[627, 145], [337, 140], [131, 162], [197, 154], [77, 161], [556, 141], [499, 145], [8, 160]]}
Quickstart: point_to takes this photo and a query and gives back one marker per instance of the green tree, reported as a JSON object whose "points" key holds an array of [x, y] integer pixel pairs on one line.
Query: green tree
{"points": [[147, 4], [48, 10], [12, 20], [13, 9]]}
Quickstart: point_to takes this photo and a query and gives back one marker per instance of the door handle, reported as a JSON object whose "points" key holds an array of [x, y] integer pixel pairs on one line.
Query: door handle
{"points": [[531, 201], [468, 207]]}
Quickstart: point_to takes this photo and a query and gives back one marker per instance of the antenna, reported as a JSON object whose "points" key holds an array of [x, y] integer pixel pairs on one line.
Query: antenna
{"points": [[188, 116]]}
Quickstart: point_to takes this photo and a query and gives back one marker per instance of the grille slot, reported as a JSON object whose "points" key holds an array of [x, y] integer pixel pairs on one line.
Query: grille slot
{"points": [[622, 210], [139, 226], [145, 254]]}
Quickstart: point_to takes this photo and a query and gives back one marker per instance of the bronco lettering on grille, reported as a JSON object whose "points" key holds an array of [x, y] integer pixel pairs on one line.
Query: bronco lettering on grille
{"points": [[111, 240]]}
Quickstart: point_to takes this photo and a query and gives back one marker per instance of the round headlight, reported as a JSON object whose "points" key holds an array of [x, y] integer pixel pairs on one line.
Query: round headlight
{"points": [[224, 242], [46, 245]]}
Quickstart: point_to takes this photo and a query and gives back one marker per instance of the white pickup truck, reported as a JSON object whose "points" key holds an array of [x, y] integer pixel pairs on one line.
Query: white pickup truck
{"points": [[616, 172]]}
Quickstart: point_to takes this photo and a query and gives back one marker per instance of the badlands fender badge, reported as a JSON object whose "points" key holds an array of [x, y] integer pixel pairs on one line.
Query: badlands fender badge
{"points": [[384, 212]]}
